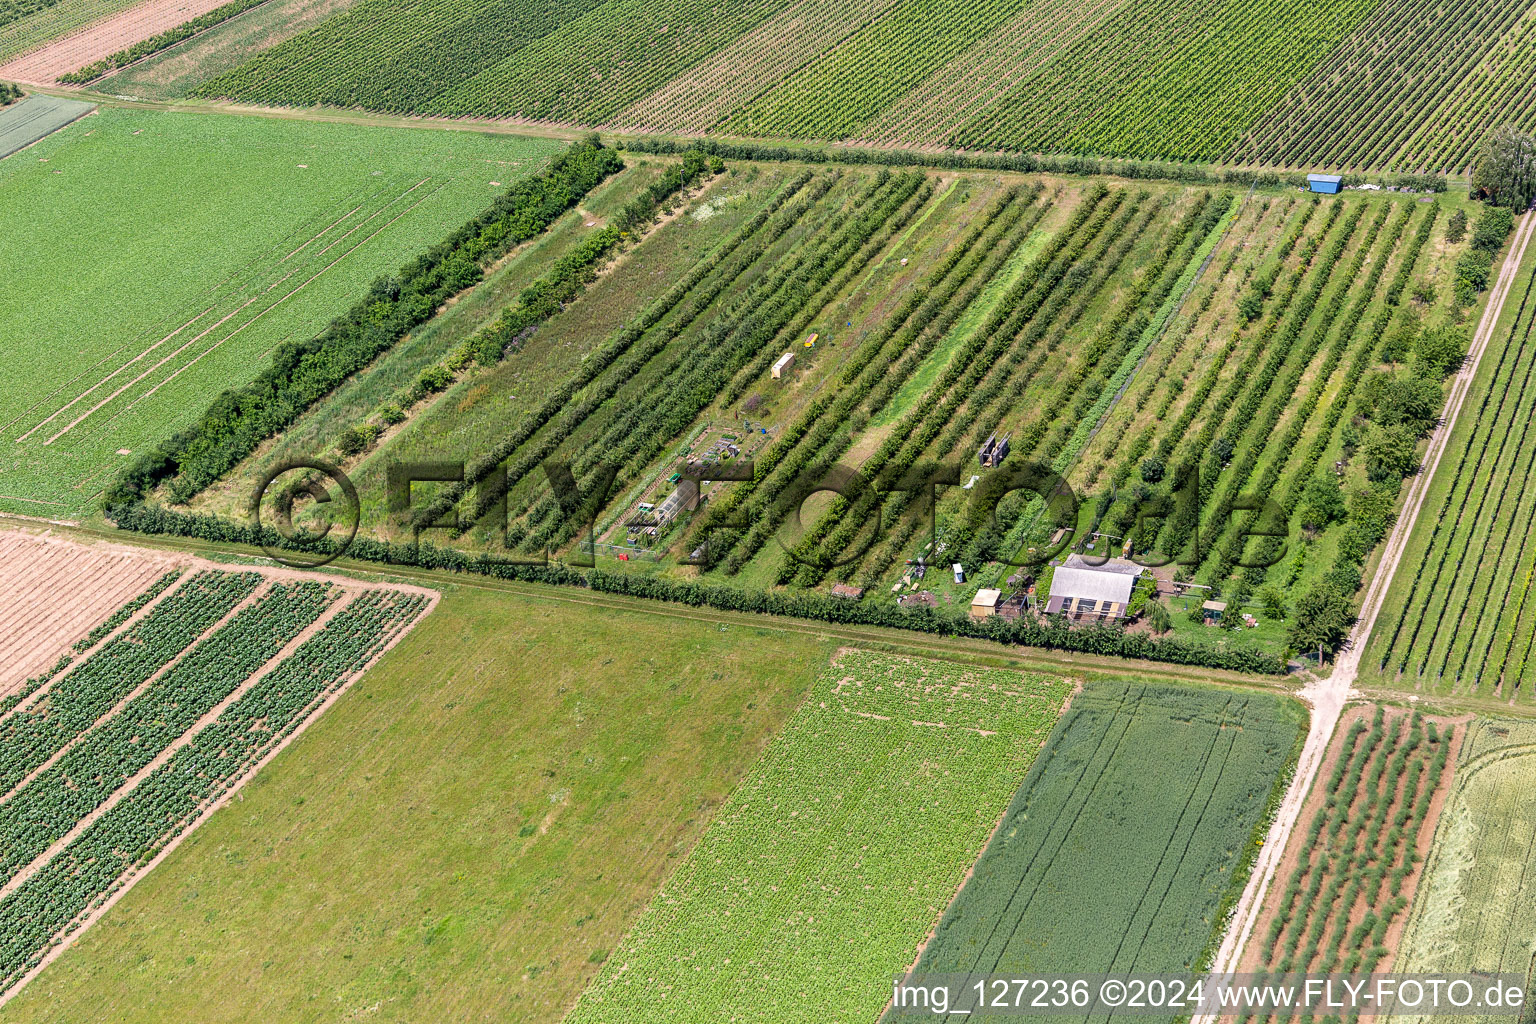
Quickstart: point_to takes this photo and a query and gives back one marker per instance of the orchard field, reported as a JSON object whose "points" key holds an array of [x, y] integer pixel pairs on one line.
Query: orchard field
{"points": [[1350, 877], [1458, 619], [152, 718], [1156, 345], [1379, 84], [194, 247]]}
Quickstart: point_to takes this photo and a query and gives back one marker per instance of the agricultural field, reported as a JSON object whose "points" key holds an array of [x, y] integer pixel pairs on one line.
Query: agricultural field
{"points": [[176, 70], [468, 832], [215, 241], [1348, 879], [1416, 86], [634, 511], [1476, 907], [36, 117], [83, 585], [154, 717], [1162, 346], [821, 875], [1363, 84], [82, 57], [1115, 856], [1458, 617]]}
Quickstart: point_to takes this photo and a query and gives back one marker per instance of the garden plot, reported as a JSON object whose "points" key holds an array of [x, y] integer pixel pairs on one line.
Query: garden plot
{"points": [[78, 586]]}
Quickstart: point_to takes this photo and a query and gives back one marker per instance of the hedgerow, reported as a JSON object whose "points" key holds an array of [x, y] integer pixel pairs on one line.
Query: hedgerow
{"points": [[806, 605]]}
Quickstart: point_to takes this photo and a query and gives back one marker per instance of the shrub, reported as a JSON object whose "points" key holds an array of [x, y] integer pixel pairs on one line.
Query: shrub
{"points": [[1456, 227], [357, 439]]}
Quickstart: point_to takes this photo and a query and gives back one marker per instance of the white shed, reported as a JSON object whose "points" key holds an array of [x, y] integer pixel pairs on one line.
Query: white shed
{"points": [[784, 362]]}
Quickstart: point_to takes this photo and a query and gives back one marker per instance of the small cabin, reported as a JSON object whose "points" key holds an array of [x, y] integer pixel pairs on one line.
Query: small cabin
{"points": [[1327, 184], [984, 605], [784, 362], [1212, 611]]}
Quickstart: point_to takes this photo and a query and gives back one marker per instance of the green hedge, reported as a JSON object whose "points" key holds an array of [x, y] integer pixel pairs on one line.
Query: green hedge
{"points": [[1052, 635], [1027, 163]]}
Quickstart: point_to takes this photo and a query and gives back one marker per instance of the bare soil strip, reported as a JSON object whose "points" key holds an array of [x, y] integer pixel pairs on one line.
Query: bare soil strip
{"points": [[102, 39], [53, 592]]}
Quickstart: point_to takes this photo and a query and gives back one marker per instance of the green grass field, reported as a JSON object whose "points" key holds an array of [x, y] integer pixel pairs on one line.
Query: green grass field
{"points": [[1121, 846], [463, 836], [173, 252], [181, 68], [1475, 909], [829, 864], [34, 118]]}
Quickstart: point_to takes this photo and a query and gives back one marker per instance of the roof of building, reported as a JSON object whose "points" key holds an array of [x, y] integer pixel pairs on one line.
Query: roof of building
{"points": [[1332, 179], [1120, 565], [987, 598], [1095, 584], [1215, 606]]}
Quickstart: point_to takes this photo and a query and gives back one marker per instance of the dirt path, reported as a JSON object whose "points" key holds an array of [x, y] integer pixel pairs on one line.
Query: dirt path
{"points": [[1328, 696]]}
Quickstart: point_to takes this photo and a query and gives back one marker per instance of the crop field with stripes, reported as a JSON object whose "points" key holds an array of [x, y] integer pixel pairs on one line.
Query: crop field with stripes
{"points": [[1406, 85], [860, 820], [194, 247], [1100, 326], [1476, 906], [1461, 615], [152, 714], [1115, 857], [1356, 866]]}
